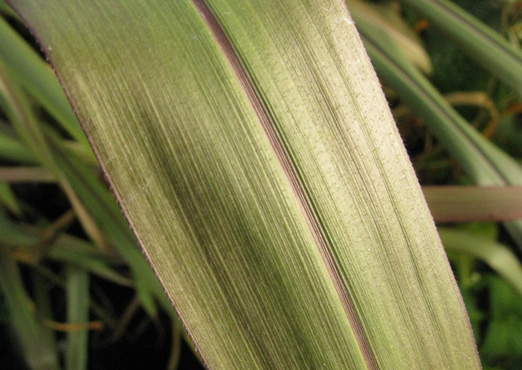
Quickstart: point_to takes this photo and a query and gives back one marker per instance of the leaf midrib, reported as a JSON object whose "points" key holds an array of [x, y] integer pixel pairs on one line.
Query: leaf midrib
{"points": [[306, 206]]}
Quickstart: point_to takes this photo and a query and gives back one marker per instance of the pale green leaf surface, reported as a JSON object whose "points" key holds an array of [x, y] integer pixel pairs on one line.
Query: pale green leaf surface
{"points": [[485, 163], [91, 202], [265, 179], [387, 18]]}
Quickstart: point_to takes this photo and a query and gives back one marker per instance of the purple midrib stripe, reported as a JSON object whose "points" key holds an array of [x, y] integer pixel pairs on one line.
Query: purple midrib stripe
{"points": [[290, 170]]}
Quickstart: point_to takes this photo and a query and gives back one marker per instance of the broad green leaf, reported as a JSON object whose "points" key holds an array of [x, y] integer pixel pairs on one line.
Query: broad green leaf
{"points": [[254, 155], [90, 200], [483, 44]]}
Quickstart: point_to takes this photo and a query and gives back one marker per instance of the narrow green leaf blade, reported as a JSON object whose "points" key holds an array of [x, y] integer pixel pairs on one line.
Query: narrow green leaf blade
{"points": [[6, 9], [37, 78], [387, 18], [474, 203], [11, 148], [254, 155], [66, 249], [101, 205], [77, 313], [40, 353], [8, 199], [485, 163], [483, 44], [496, 255]]}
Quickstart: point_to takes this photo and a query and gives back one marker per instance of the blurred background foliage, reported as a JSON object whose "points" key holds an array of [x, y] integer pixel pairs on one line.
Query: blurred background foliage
{"points": [[75, 290]]}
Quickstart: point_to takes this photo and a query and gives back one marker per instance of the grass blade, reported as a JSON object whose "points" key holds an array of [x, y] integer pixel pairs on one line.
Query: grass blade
{"points": [[386, 18], [480, 42], [8, 199], [37, 78], [65, 249], [34, 337], [11, 148], [473, 204], [483, 162], [25, 174], [496, 255], [241, 143], [32, 134], [77, 313]]}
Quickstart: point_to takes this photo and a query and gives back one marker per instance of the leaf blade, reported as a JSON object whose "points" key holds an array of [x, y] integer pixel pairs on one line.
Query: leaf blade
{"points": [[225, 203], [485, 163], [482, 43], [34, 337], [473, 203], [37, 78], [498, 256]]}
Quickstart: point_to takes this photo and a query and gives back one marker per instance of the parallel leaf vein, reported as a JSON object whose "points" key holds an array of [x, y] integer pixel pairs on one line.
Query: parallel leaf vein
{"points": [[282, 153]]}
